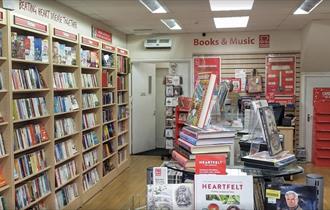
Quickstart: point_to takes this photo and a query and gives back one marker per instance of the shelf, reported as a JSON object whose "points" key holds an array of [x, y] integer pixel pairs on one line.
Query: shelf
{"points": [[33, 118], [107, 105], [63, 161], [107, 140], [3, 123], [86, 129], [32, 175], [122, 146], [111, 155], [91, 148], [108, 68], [63, 113], [4, 188], [108, 122], [90, 88], [36, 201], [65, 89], [3, 91], [121, 73], [90, 168], [64, 65], [123, 132], [4, 156], [123, 119], [108, 88], [31, 90], [65, 136], [91, 108], [90, 68], [32, 147], [28, 61], [124, 90], [122, 104], [2, 58], [67, 182]]}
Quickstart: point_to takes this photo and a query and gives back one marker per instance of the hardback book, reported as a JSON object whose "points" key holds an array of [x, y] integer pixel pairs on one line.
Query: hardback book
{"points": [[184, 152], [208, 133], [264, 158], [290, 196], [205, 148], [223, 192], [278, 167], [199, 112], [170, 196], [184, 162], [213, 141]]}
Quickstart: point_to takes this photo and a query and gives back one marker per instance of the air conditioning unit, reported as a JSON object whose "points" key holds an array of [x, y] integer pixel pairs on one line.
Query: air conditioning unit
{"points": [[156, 43]]}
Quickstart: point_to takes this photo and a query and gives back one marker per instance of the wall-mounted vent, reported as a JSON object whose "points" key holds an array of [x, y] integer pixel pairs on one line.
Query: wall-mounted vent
{"points": [[158, 43]]}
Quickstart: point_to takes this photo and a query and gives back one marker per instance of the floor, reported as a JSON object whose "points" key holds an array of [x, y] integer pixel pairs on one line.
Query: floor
{"points": [[130, 186]]}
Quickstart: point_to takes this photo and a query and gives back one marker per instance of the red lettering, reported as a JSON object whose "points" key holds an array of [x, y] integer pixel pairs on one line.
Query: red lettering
{"points": [[195, 41], [207, 42]]}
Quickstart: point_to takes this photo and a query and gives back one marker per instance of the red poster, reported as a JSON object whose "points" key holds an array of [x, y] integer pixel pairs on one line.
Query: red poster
{"points": [[210, 164], [204, 66], [236, 83], [280, 79], [321, 95]]}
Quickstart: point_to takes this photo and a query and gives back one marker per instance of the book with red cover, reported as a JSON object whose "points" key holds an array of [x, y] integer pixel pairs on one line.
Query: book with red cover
{"points": [[104, 78], [204, 149], [210, 164], [184, 162]]}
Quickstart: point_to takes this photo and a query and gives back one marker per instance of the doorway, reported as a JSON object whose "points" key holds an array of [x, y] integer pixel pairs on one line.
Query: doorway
{"points": [[148, 102], [309, 81]]}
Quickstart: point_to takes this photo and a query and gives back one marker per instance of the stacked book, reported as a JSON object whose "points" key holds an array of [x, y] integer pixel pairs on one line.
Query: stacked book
{"points": [[194, 140], [263, 160]]}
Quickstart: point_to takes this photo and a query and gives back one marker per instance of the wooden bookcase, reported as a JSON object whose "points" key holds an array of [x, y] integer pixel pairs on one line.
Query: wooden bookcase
{"points": [[75, 44]]}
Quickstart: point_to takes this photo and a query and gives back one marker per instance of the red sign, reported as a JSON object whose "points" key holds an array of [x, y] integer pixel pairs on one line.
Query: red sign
{"points": [[30, 24], [236, 83], [108, 48], [90, 42], [264, 41], [321, 94], [204, 66], [210, 164], [101, 34], [65, 35], [122, 52], [280, 79]]}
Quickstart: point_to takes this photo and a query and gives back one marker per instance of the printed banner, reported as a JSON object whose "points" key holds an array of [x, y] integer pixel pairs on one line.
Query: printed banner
{"points": [[205, 66]]}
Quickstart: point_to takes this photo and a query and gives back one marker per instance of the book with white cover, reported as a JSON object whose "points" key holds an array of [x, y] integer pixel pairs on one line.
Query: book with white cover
{"points": [[223, 192]]}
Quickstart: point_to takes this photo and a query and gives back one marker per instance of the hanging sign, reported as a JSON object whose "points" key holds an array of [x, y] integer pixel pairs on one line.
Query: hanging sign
{"points": [[101, 34], [280, 79], [65, 35], [205, 66]]}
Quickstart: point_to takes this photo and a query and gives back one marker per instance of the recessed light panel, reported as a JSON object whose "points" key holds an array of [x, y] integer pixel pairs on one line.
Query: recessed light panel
{"points": [[231, 5], [153, 6], [171, 24], [307, 6], [231, 22]]}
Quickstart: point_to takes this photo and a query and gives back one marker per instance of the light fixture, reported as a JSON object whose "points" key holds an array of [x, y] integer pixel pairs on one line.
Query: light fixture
{"points": [[231, 22], [171, 24], [230, 5], [153, 6], [307, 6]]}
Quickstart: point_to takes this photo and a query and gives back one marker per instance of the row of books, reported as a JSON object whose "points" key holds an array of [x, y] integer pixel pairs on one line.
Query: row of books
{"points": [[3, 204], [29, 135], [30, 163], [2, 85], [122, 126], [65, 150], [65, 126], [2, 146], [65, 172], [107, 149], [29, 48], [25, 108], [90, 159], [90, 139], [65, 103], [122, 112], [121, 98], [108, 60], [89, 58], [63, 80], [90, 100], [121, 140], [108, 166], [107, 115], [108, 98], [107, 79], [121, 83], [90, 179], [32, 191], [123, 64], [108, 131], [65, 195], [89, 81], [63, 54], [27, 79], [89, 120]]}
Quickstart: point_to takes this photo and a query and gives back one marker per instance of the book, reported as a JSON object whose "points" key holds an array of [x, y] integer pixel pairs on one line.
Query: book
{"points": [[223, 192], [65, 150], [89, 81], [170, 196], [64, 127], [201, 101], [64, 173], [264, 158], [2, 146], [3, 204], [184, 162], [208, 133], [204, 149], [90, 100], [2, 86], [278, 167], [3, 181], [65, 195], [90, 179], [290, 196], [90, 139], [64, 80], [213, 141], [90, 159], [65, 103]]}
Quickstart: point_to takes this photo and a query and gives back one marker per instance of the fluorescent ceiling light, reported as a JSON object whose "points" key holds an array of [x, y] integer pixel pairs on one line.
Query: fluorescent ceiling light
{"points": [[153, 6], [230, 5], [231, 22], [171, 24], [307, 6]]}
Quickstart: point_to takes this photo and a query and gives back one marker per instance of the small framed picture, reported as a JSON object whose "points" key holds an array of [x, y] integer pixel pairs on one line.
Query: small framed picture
{"points": [[169, 112], [169, 133], [169, 122], [177, 91], [169, 91]]}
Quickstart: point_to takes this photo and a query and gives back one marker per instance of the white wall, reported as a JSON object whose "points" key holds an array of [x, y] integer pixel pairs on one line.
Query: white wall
{"points": [[84, 23]]}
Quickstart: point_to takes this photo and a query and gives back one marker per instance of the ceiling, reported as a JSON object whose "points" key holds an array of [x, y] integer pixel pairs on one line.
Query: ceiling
{"points": [[195, 16]]}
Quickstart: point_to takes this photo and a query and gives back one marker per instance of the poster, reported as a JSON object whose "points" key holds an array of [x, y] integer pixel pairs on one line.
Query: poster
{"points": [[223, 192], [236, 83], [241, 74], [280, 79], [205, 66]]}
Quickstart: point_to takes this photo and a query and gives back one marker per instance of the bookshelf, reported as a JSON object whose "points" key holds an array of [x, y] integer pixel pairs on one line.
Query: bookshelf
{"points": [[65, 133]]}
